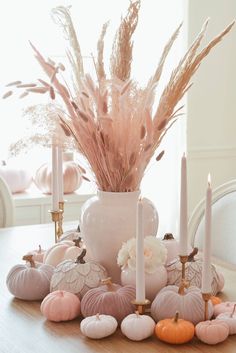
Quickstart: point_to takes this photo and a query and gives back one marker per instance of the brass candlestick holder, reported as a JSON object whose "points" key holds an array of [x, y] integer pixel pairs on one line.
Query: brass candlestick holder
{"points": [[57, 218], [206, 297], [60, 222], [141, 306], [183, 260]]}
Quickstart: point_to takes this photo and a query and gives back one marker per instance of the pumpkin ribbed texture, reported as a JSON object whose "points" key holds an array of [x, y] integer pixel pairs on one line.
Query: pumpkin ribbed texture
{"points": [[212, 332], [116, 303]]}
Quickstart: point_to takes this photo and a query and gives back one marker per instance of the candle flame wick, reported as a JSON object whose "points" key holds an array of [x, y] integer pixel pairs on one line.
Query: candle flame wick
{"points": [[209, 179]]}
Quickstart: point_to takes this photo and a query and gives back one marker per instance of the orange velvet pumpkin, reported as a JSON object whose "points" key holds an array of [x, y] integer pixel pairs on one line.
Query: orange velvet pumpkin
{"points": [[175, 330], [215, 300], [71, 177]]}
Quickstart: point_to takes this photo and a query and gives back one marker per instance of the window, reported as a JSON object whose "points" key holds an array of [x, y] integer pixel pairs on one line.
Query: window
{"points": [[25, 20]]}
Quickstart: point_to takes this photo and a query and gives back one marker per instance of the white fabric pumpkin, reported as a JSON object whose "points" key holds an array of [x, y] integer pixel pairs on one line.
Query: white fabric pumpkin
{"points": [[77, 276], [98, 326], [18, 179], [137, 327], [190, 304], [64, 250]]}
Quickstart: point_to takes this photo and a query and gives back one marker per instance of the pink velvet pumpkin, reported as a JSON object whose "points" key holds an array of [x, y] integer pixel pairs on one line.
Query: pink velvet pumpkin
{"points": [[187, 301], [72, 177], [61, 251], [110, 299], [30, 281], [212, 332], [60, 306], [38, 254]]}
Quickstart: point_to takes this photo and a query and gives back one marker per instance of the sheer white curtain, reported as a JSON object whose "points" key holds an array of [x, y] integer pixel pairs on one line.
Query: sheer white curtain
{"points": [[25, 20]]}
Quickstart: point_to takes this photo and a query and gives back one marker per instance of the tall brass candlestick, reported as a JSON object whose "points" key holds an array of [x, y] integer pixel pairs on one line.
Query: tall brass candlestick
{"points": [[183, 260], [60, 222], [56, 218]]}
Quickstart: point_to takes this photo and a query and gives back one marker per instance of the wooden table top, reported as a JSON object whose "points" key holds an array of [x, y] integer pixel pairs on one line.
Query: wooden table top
{"points": [[23, 329]]}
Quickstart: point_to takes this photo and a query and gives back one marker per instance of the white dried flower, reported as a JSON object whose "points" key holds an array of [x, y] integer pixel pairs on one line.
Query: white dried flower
{"points": [[155, 254]]}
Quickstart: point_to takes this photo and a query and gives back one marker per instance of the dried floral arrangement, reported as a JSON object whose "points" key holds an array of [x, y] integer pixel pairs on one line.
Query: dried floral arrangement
{"points": [[111, 119], [155, 254]]}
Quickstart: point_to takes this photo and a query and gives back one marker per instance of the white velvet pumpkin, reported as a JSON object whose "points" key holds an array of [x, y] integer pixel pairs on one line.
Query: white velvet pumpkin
{"points": [[110, 299], [137, 327], [72, 177], [230, 319], [61, 251], [30, 281], [77, 276], [98, 326], [190, 304], [18, 179]]}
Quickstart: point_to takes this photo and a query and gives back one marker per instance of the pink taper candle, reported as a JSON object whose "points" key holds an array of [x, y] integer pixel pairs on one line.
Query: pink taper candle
{"points": [[140, 275], [55, 199], [206, 268], [183, 229], [60, 175]]}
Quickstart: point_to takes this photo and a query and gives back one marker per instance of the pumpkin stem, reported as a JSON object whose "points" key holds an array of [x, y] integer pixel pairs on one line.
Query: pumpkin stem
{"points": [[137, 313], [77, 242], [80, 258], [192, 254], [108, 282], [29, 258], [40, 249], [176, 318], [97, 316], [168, 236], [232, 314], [184, 284]]}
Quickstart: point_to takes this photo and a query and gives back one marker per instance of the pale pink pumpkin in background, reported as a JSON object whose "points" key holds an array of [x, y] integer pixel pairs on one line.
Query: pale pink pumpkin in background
{"points": [[230, 319], [60, 306], [61, 251], [17, 178], [38, 254], [225, 307]]}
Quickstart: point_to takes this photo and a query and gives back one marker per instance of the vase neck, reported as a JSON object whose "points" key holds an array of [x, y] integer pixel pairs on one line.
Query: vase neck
{"points": [[118, 196]]}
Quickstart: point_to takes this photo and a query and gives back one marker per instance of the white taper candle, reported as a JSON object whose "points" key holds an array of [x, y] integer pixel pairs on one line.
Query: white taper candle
{"points": [[140, 272], [183, 229], [60, 175], [206, 268], [55, 199]]}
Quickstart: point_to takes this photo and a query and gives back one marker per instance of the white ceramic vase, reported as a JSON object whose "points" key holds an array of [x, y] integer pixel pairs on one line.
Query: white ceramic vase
{"points": [[109, 219], [154, 282]]}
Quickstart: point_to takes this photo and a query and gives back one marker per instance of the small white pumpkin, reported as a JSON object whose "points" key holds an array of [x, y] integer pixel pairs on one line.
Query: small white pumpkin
{"points": [[137, 327], [77, 276], [98, 326], [229, 319]]}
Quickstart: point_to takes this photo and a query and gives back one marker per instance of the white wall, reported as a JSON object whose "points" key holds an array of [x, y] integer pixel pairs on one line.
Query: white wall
{"points": [[211, 102]]}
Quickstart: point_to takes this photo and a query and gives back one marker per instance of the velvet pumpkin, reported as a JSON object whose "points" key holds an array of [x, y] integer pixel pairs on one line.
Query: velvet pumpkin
{"points": [[72, 177], [98, 326], [60, 306], [172, 246], [38, 254], [110, 299], [225, 307], [77, 276], [18, 179], [193, 273], [137, 327], [212, 332], [229, 319], [30, 281], [174, 330], [61, 251], [215, 300], [187, 301]]}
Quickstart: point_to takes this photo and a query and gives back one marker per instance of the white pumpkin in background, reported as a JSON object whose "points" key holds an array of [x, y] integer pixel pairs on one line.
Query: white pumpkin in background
{"points": [[18, 179], [72, 177]]}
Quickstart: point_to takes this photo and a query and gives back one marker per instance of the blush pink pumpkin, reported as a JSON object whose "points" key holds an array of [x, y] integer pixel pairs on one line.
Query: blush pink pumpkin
{"points": [[38, 254], [225, 307], [18, 179], [61, 251], [212, 331], [187, 301], [137, 327], [60, 306], [110, 299], [71, 177], [230, 319], [30, 281]]}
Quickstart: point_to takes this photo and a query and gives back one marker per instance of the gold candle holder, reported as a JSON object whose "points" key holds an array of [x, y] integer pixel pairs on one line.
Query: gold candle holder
{"points": [[141, 306], [183, 260], [56, 218], [206, 297], [60, 222]]}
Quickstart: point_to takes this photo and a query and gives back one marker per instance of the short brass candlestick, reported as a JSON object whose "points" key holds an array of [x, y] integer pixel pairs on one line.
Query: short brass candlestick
{"points": [[56, 218], [206, 297], [60, 222], [183, 260], [141, 306]]}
